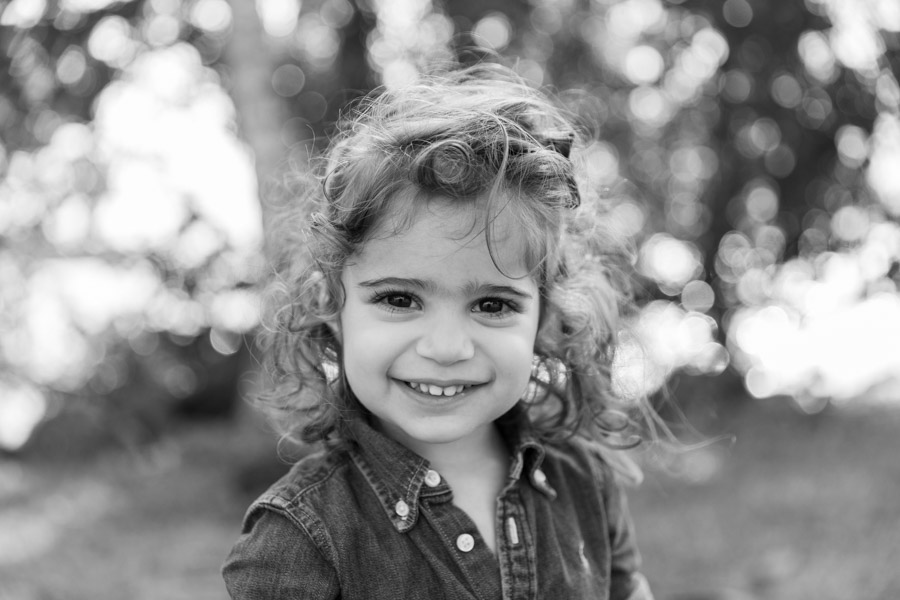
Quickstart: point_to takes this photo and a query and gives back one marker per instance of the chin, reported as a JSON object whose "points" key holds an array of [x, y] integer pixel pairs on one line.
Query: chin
{"points": [[435, 434]]}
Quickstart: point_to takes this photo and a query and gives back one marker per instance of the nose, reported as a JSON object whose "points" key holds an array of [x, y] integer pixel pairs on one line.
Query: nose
{"points": [[445, 340]]}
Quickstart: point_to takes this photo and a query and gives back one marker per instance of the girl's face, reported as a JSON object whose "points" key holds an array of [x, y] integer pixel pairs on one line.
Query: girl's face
{"points": [[438, 342]]}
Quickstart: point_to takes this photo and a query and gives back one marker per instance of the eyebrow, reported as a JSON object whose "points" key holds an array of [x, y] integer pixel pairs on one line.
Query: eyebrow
{"points": [[472, 288]]}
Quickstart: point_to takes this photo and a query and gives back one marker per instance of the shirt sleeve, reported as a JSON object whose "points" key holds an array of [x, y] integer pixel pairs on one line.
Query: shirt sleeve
{"points": [[627, 582], [275, 558]]}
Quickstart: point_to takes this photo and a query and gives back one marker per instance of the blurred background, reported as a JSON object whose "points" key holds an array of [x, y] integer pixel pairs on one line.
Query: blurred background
{"points": [[750, 149]]}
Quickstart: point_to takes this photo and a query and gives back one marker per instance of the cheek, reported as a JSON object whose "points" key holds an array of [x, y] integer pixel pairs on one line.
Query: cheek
{"points": [[367, 348], [516, 353]]}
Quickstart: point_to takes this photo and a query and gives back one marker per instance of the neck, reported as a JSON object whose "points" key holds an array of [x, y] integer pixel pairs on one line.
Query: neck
{"points": [[468, 455]]}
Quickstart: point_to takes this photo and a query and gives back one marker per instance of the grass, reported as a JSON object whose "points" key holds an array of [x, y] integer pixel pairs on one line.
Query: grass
{"points": [[800, 507], [154, 524]]}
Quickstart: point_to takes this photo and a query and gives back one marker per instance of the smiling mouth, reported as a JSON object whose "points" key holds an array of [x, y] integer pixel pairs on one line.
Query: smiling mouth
{"points": [[436, 390]]}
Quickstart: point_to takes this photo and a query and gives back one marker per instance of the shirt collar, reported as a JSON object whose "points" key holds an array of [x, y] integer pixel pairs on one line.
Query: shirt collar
{"points": [[527, 450], [397, 475]]}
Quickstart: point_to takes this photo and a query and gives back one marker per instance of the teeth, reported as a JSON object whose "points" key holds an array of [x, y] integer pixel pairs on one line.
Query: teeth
{"points": [[436, 390]]}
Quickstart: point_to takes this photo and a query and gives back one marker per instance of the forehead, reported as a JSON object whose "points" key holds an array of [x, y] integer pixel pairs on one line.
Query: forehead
{"points": [[436, 228]]}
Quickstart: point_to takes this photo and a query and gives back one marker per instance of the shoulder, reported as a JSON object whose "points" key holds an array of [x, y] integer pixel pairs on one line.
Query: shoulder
{"points": [[295, 511], [305, 476], [283, 532], [308, 478], [303, 496]]}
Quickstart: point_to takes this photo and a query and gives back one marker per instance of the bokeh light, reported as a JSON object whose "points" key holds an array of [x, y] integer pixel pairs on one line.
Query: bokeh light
{"points": [[493, 31], [660, 340], [279, 17], [670, 262], [158, 177]]}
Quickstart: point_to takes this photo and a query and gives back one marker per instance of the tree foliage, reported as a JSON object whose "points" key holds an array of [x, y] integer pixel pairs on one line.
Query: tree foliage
{"points": [[746, 147]]}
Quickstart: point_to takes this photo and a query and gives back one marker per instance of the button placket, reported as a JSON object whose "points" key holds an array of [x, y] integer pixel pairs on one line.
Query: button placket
{"points": [[515, 548], [458, 535]]}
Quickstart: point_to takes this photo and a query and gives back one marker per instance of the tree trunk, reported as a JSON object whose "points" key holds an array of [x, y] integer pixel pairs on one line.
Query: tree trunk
{"points": [[251, 60]]}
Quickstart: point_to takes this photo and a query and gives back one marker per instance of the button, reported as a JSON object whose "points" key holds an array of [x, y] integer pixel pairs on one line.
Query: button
{"points": [[539, 477], [465, 542], [402, 509], [512, 531], [432, 478]]}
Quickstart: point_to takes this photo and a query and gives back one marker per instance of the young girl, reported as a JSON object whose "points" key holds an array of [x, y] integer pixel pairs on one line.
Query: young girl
{"points": [[447, 331]]}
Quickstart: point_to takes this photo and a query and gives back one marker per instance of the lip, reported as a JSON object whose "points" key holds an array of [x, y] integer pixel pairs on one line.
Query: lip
{"points": [[441, 382]]}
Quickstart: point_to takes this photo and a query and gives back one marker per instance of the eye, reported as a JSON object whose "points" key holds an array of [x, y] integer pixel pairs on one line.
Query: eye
{"points": [[398, 300], [496, 308], [491, 305]]}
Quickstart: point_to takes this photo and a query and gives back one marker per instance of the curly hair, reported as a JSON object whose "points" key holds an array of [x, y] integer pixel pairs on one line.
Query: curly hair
{"points": [[479, 132]]}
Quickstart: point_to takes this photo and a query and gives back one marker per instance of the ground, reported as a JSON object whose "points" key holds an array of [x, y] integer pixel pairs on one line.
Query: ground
{"points": [[798, 507]]}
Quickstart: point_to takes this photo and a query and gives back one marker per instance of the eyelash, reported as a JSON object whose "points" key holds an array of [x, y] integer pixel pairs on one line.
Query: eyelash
{"points": [[381, 297], [507, 304]]}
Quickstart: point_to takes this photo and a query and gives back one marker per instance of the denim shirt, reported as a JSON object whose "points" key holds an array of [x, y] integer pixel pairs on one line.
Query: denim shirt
{"points": [[369, 519]]}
